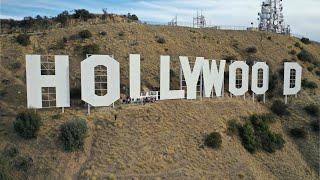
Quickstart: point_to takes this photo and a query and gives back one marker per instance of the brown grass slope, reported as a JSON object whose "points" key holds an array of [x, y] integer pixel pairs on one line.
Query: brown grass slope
{"points": [[161, 140]]}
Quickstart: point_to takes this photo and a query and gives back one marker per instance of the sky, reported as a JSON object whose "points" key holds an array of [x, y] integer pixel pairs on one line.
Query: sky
{"points": [[302, 15]]}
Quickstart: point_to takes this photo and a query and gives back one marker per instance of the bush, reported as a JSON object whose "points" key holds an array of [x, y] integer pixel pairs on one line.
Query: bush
{"points": [[27, 124], [305, 40], [306, 56], [85, 34], [90, 49], [308, 84], [298, 133], [251, 49], [121, 33], [318, 73], [73, 133], [310, 68], [23, 39], [269, 38], [83, 14], [248, 138], [315, 125], [233, 127], [10, 151], [161, 40], [103, 33], [279, 108], [213, 140], [23, 163], [15, 65], [256, 135], [298, 45], [312, 109]]}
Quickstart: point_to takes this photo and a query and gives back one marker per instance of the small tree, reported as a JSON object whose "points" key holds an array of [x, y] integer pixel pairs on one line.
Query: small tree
{"points": [[27, 124], [298, 133], [213, 140], [23, 39], [305, 40], [73, 133]]}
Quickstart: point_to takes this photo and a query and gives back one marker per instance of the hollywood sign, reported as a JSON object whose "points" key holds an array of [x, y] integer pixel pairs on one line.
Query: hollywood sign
{"points": [[213, 79]]}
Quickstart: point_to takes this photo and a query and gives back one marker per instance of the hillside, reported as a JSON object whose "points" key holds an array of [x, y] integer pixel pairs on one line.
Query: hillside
{"points": [[163, 139]]}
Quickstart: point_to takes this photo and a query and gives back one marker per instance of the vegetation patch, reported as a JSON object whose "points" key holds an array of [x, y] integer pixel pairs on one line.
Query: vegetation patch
{"points": [[306, 56], [85, 34], [233, 128], [23, 39], [161, 40], [90, 49], [251, 50], [279, 108], [27, 124], [305, 40], [312, 110], [23, 163], [213, 140], [256, 135], [298, 133], [307, 84], [73, 133], [5, 168], [315, 125]]}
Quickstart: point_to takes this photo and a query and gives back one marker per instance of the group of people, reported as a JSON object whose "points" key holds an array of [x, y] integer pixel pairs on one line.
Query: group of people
{"points": [[142, 100]]}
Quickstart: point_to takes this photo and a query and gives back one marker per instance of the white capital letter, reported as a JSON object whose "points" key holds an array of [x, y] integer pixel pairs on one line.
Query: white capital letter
{"points": [[244, 78], [191, 77], [35, 81], [213, 77], [88, 80], [165, 92], [255, 78], [292, 78], [134, 67]]}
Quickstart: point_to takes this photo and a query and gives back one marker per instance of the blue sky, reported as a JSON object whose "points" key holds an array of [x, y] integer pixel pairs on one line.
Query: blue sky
{"points": [[302, 15]]}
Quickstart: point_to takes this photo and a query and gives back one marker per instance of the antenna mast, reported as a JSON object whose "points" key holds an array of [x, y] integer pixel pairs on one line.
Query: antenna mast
{"points": [[271, 17]]}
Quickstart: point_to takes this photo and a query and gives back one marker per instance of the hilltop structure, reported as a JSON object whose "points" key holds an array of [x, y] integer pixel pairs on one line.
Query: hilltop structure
{"points": [[271, 17]]}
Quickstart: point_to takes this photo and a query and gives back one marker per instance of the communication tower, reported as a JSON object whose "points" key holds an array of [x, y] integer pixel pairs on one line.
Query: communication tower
{"points": [[199, 21], [271, 17], [174, 21]]}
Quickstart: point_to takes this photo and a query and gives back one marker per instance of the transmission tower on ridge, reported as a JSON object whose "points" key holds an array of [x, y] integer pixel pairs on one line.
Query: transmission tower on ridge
{"points": [[271, 17], [199, 21], [174, 21]]}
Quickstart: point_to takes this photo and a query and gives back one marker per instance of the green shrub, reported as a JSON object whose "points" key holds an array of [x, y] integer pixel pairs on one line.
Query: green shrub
{"points": [[27, 124], [298, 133], [312, 109], [318, 73], [315, 125], [251, 49], [248, 138], [233, 127], [121, 33], [73, 133], [23, 163], [267, 118], [308, 84], [5, 168], [306, 56], [15, 65], [305, 40], [279, 108], [10, 151], [213, 140], [90, 49], [161, 40], [85, 34], [23, 39]]}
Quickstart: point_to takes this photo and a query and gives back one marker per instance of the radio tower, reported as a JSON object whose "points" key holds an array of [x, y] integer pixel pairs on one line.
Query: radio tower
{"points": [[199, 21], [271, 17]]}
